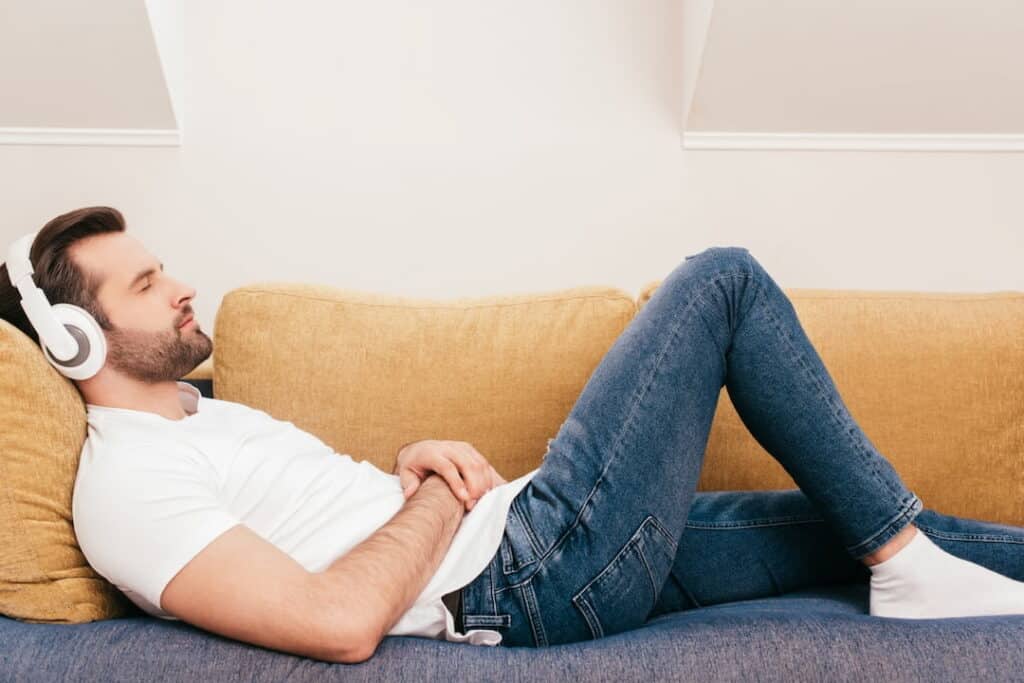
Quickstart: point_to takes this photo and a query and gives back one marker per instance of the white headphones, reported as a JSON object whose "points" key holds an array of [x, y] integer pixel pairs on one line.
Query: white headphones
{"points": [[70, 337]]}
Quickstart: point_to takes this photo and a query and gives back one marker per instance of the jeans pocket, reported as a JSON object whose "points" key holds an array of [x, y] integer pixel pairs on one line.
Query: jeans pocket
{"points": [[625, 591]]}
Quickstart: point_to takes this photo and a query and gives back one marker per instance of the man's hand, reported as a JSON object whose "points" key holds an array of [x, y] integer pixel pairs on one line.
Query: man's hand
{"points": [[466, 471]]}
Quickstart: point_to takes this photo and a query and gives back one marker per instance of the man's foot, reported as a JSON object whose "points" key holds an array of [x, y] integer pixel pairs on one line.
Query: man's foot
{"points": [[923, 581]]}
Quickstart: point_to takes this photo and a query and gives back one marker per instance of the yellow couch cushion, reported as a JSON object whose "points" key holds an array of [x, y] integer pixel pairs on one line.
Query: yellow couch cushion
{"points": [[44, 576], [936, 381], [367, 373]]}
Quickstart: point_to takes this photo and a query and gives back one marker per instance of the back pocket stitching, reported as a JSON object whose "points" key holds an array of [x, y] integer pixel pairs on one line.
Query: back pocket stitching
{"points": [[580, 600]]}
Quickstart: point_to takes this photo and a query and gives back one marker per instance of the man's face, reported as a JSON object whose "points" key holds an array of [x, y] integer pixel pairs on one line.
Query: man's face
{"points": [[146, 310]]}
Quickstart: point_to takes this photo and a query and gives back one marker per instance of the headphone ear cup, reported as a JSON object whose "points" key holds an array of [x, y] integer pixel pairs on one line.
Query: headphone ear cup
{"points": [[92, 344]]}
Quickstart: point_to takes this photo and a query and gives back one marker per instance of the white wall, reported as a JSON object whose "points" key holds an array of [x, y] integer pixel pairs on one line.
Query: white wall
{"points": [[458, 148]]}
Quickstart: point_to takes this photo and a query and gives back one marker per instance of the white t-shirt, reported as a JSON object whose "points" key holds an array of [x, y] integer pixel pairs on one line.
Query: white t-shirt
{"points": [[152, 492]]}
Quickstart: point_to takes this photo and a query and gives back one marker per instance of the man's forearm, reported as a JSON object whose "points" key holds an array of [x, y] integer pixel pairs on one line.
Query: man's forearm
{"points": [[370, 587]]}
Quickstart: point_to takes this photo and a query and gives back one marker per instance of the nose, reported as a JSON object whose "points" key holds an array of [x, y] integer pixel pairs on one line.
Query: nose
{"points": [[184, 294]]}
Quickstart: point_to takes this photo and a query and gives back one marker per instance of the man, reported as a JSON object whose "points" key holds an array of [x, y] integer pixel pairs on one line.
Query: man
{"points": [[220, 515]]}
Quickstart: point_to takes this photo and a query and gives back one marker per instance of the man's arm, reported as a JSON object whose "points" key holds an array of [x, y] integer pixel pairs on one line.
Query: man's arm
{"points": [[369, 588]]}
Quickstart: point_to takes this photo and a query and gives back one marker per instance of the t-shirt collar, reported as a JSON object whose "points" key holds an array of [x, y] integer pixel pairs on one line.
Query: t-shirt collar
{"points": [[188, 396]]}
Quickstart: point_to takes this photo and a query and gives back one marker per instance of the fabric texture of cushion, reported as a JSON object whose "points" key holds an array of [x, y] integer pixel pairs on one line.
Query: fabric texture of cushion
{"points": [[367, 373], [44, 577], [820, 634]]}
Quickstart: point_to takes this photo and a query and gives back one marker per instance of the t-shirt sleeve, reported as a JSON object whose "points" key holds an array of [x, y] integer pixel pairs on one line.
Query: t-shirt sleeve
{"points": [[142, 515]]}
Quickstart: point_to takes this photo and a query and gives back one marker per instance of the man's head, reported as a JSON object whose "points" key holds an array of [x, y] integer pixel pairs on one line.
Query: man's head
{"points": [[86, 258]]}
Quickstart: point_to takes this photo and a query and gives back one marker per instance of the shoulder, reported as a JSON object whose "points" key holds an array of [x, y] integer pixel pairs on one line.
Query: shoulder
{"points": [[233, 409], [115, 473]]}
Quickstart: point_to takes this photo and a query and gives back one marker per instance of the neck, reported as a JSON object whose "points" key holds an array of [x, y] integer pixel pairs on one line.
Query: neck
{"points": [[117, 391]]}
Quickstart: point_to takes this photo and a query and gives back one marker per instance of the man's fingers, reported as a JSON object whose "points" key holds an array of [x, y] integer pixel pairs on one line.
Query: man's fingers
{"points": [[475, 469], [466, 471], [447, 469], [496, 479], [491, 474], [409, 481]]}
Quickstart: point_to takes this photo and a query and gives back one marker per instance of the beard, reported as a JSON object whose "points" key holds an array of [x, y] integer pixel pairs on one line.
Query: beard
{"points": [[157, 356]]}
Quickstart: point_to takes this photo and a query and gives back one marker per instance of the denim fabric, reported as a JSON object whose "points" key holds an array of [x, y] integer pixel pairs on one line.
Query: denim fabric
{"points": [[595, 545]]}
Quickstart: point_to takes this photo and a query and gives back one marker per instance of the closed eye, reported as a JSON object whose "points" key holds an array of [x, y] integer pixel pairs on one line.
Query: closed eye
{"points": [[150, 277]]}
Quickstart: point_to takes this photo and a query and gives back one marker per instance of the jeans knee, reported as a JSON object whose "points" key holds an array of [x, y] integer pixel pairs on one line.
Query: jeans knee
{"points": [[727, 259]]}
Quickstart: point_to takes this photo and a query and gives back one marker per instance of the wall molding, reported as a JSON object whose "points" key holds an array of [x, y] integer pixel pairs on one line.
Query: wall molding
{"points": [[135, 137], [950, 142], [872, 142]]}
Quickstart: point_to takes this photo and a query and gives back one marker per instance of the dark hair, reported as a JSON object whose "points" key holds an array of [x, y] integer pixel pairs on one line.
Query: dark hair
{"points": [[55, 272]]}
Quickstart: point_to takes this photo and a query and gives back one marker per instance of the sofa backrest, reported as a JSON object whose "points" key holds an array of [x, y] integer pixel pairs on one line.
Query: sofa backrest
{"points": [[367, 373], [936, 380]]}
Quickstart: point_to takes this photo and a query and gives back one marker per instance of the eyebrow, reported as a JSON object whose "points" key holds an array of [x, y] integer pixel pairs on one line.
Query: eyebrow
{"points": [[143, 274]]}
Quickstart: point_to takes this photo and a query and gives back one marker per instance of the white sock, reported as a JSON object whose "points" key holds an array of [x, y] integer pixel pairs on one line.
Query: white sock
{"points": [[923, 581]]}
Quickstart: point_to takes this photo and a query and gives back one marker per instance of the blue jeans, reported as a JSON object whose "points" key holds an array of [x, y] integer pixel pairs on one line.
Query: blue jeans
{"points": [[611, 532]]}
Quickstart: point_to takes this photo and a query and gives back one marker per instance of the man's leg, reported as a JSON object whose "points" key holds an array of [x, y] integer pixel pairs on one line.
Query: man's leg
{"points": [[593, 536], [742, 545]]}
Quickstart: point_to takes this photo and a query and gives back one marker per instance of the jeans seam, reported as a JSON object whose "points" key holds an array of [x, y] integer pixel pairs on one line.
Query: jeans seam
{"points": [[531, 535], [687, 592], [529, 599], [754, 523], [630, 419], [905, 509], [592, 621], [673, 543], [835, 409], [655, 588], [954, 536]]}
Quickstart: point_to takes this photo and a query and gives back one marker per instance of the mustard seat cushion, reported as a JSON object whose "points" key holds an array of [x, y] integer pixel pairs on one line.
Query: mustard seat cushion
{"points": [[44, 577]]}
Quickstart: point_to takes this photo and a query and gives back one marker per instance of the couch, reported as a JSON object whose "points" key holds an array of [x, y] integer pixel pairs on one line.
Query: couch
{"points": [[935, 379]]}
